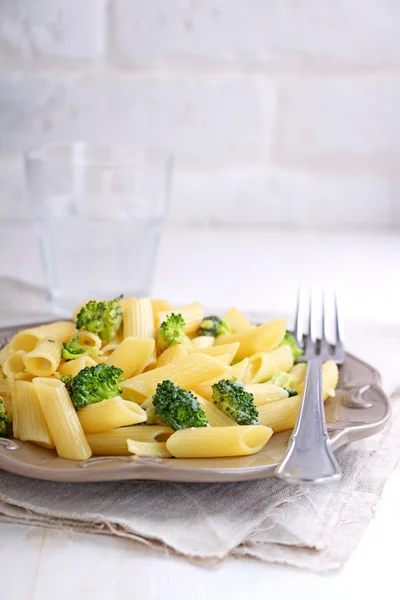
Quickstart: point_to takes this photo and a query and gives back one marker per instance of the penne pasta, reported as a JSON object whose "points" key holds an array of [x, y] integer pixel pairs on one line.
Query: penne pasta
{"points": [[72, 367], [237, 321], [171, 354], [158, 449], [32, 426], [215, 351], [114, 441], [202, 341], [159, 305], [152, 418], [14, 364], [27, 339], [4, 388], [5, 353], [110, 414], [192, 314], [62, 420], [263, 338], [87, 338], [44, 359], [263, 365], [138, 318], [109, 348], [264, 393], [132, 355], [138, 321], [215, 417], [212, 442], [282, 414], [185, 372], [239, 369]]}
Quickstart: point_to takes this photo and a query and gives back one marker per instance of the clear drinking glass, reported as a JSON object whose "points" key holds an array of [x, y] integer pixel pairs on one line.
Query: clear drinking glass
{"points": [[98, 212]]}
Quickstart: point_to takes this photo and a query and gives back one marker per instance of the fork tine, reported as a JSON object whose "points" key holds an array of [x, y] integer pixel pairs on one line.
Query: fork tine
{"points": [[338, 325], [339, 352], [313, 323]]}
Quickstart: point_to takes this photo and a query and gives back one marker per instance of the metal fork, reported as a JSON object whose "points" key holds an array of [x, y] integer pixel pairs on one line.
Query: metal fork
{"points": [[309, 458]]}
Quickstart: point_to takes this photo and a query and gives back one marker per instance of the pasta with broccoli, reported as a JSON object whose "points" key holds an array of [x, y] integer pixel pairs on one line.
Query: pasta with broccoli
{"points": [[143, 377]]}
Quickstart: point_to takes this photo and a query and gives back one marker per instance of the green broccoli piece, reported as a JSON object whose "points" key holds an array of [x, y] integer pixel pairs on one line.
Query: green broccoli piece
{"points": [[285, 381], [290, 340], [75, 350], [93, 384], [213, 326], [103, 318], [234, 401], [178, 407], [172, 331], [5, 421]]}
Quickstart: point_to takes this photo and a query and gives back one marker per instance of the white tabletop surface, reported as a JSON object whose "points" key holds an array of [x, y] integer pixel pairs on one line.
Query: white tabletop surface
{"points": [[257, 271]]}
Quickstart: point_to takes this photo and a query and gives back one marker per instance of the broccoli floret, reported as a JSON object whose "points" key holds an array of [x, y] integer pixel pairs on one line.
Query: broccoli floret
{"points": [[285, 381], [93, 384], [103, 318], [213, 326], [234, 401], [172, 331], [75, 350], [290, 340], [5, 421], [178, 407]]}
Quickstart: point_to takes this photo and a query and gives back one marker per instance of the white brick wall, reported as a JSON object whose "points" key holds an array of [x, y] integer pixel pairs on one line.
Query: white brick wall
{"points": [[277, 112]]}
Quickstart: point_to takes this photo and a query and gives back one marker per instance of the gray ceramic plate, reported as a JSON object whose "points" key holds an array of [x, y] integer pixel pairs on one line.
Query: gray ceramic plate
{"points": [[360, 409]]}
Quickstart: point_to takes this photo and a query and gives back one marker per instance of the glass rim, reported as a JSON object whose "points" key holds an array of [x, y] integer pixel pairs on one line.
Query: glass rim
{"points": [[118, 155]]}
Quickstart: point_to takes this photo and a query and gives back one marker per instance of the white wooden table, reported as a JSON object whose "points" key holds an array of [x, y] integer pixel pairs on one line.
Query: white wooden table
{"points": [[258, 271]]}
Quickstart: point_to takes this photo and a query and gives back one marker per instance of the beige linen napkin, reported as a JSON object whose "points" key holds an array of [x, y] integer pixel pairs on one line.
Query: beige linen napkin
{"points": [[305, 526]]}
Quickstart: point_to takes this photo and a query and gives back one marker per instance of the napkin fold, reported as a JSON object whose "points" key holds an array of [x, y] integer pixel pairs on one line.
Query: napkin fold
{"points": [[314, 527]]}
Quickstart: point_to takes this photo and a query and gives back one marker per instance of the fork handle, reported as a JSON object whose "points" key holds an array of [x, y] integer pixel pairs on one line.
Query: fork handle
{"points": [[309, 458]]}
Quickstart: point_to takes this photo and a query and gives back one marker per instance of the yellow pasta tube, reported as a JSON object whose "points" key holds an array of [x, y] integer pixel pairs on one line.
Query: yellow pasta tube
{"points": [[152, 418], [132, 355], [299, 372], [159, 305], [171, 354], [5, 352], [138, 321], [14, 364], [44, 359], [27, 339], [213, 442], [32, 426], [264, 393], [72, 367], [62, 419], [185, 372], [4, 388], [215, 417], [114, 441], [192, 314], [87, 338], [109, 348], [263, 338], [158, 449], [282, 415], [215, 351], [202, 341], [239, 369], [138, 318], [110, 414], [263, 365], [237, 321]]}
